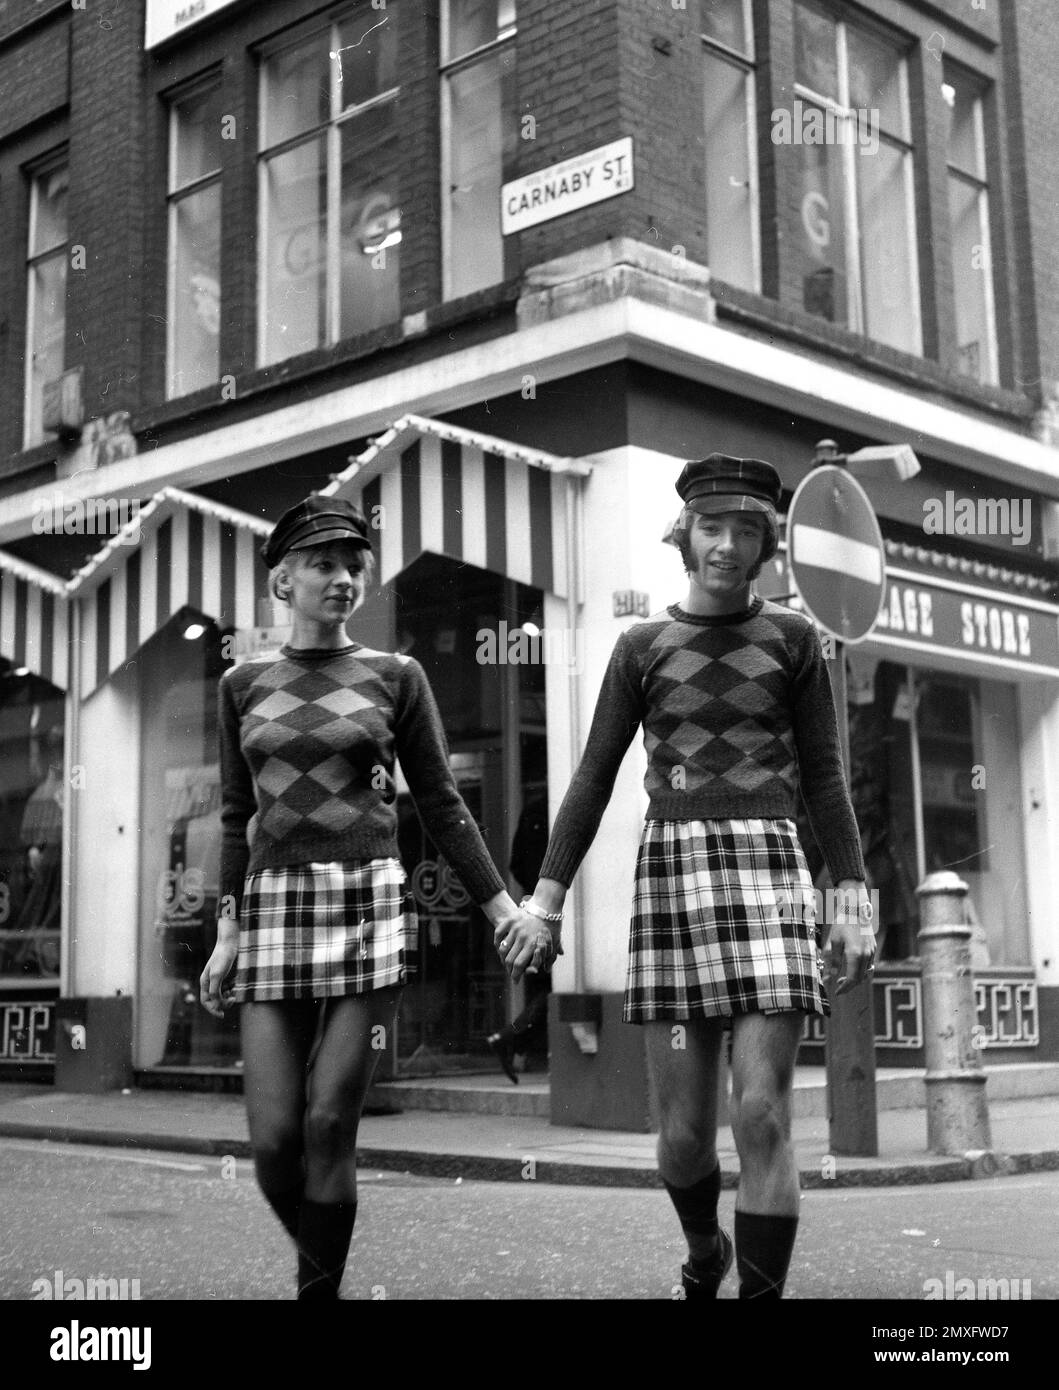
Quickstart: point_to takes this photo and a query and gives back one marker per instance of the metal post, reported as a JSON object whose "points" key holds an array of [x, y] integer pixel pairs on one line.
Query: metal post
{"points": [[957, 1110], [849, 1046]]}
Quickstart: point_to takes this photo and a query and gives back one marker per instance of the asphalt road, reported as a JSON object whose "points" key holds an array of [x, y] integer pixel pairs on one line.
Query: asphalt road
{"points": [[197, 1228]]}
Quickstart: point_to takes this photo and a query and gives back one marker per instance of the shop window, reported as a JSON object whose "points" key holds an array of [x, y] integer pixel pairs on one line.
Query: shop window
{"points": [[31, 827], [731, 165], [972, 268], [194, 287], [181, 795], [480, 125], [936, 785], [329, 199], [45, 291], [849, 131]]}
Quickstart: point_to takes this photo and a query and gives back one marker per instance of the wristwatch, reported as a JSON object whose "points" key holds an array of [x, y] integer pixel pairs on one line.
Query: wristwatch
{"points": [[528, 905]]}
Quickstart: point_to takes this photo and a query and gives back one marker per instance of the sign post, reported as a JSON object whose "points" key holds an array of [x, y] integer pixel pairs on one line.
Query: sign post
{"points": [[838, 566]]}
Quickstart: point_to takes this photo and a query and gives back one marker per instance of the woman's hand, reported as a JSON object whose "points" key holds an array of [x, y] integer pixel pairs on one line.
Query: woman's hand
{"points": [[213, 997]]}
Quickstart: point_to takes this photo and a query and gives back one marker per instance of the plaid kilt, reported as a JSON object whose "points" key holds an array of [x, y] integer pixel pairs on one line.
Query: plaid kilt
{"points": [[313, 931], [708, 938]]}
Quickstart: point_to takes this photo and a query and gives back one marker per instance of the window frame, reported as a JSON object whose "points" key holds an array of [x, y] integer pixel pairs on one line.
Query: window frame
{"points": [[331, 131], [174, 196], [746, 63], [842, 109], [979, 181], [40, 169], [447, 68]]}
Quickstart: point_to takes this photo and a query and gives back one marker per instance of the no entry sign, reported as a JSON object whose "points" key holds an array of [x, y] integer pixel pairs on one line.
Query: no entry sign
{"points": [[837, 558]]}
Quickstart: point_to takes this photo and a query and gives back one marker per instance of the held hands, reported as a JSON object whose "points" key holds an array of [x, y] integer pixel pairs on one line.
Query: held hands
{"points": [[850, 948], [213, 997], [526, 945]]}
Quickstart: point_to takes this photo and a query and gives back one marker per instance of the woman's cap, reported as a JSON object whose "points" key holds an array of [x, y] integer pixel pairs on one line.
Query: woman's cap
{"points": [[722, 483], [314, 522]]}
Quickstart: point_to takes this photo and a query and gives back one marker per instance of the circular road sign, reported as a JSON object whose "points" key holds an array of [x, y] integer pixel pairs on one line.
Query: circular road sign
{"points": [[836, 553]]}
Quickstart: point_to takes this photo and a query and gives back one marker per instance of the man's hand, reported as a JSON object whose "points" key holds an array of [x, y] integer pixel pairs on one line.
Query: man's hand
{"points": [[851, 944]]}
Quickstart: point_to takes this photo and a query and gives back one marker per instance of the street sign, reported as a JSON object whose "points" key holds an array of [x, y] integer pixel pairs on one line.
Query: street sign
{"points": [[837, 557]]}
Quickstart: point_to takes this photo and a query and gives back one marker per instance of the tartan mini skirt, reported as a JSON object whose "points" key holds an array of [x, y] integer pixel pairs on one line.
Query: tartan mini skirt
{"points": [[319, 930], [708, 937]]}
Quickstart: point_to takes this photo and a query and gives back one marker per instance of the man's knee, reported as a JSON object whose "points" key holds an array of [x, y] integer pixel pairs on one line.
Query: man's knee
{"points": [[687, 1145], [760, 1120]]}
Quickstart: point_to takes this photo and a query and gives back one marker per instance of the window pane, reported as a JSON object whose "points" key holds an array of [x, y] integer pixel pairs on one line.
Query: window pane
{"points": [[474, 22], [297, 90], [371, 222], [197, 117], [367, 62], [729, 196], [295, 251], [874, 80], [815, 60], [47, 343], [478, 107], [195, 309], [820, 240], [970, 266], [961, 102], [891, 294], [49, 195], [725, 21]]}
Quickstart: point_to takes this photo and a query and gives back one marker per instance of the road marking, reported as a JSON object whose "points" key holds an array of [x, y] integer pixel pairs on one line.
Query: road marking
{"points": [[79, 1151]]}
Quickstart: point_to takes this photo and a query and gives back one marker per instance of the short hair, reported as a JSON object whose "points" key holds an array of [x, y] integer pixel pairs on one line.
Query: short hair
{"points": [[681, 538], [282, 571]]}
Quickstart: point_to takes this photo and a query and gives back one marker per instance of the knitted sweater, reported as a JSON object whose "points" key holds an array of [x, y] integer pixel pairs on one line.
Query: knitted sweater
{"points": [[308, 741], [737, 711]]}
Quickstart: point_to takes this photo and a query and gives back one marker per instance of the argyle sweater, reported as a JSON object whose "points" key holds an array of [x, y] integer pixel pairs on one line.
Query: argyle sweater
{"points": [[308, 741], [737, 712]]}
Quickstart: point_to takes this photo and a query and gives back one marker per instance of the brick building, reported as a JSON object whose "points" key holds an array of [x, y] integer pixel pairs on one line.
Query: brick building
{"points": [[497, 267]]}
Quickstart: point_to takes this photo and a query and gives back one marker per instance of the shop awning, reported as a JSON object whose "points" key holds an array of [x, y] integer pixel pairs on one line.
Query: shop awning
{"points": [[180, 550], [427, 485], [34, 619]]}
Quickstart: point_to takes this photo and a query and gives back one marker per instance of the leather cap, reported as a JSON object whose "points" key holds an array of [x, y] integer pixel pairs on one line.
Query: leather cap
{"points": [[314, 522], [723, 483]]}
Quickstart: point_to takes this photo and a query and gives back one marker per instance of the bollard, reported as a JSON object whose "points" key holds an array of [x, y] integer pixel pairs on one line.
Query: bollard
{"points": [[957, 1112]]}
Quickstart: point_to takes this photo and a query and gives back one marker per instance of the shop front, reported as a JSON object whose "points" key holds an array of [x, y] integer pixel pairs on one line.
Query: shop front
{"points": [[32, 740], [948, 701]]}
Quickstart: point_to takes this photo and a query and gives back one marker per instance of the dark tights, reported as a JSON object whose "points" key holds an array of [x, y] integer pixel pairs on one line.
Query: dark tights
{"points": [[307, 1066]]}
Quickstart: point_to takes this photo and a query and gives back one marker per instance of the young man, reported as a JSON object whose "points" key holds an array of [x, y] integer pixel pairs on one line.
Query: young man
{"points": [[736, 706]]}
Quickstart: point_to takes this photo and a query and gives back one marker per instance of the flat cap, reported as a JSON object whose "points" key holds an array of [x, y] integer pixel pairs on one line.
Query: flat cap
{"points": [[315, 521], [722, 483]]}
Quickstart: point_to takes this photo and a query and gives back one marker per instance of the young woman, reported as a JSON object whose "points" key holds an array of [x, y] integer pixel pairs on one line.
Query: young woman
{"points": [[735, 702], [316, 914]]}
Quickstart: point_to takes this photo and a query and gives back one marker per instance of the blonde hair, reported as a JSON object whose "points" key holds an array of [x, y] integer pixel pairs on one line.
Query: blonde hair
{"points": [[282, 572]]}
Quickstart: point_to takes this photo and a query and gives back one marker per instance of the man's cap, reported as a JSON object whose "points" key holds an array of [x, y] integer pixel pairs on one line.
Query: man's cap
{"points": [[723, 483], [314, 522]]}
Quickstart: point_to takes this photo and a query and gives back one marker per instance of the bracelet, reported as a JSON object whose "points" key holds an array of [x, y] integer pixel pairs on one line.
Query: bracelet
{"points": [[528, 905]]}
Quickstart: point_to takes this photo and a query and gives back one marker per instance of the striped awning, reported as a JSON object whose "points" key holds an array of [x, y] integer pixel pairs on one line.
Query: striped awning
{"points": [[180, 550], [426, 485], [34, 629]]}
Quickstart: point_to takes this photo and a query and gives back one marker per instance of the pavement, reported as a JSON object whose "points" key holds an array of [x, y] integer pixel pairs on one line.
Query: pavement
{"points": [[518, 1146]]}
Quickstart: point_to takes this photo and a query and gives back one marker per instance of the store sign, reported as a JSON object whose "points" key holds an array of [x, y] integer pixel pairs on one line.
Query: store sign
{"points": [[966, 621], [575, 183], [168, 17]]}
